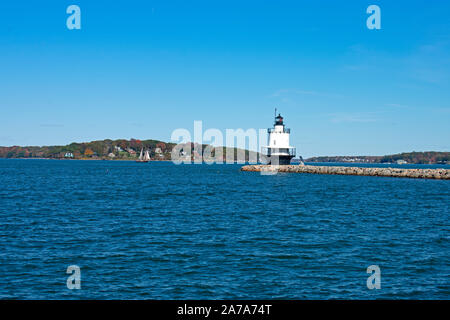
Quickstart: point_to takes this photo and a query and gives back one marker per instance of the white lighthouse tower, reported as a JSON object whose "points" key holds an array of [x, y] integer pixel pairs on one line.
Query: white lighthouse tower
{"points": [[278, 150]]}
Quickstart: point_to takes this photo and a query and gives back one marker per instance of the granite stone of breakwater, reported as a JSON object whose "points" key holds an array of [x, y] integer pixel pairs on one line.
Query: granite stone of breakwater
{"points": [[443, 174]]}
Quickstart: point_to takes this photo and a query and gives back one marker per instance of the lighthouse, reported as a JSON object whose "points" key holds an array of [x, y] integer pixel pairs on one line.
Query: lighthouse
{"points": [[278, 150]]}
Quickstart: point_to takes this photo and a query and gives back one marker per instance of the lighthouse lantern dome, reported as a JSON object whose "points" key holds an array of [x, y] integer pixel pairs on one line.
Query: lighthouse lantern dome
{"points": [[279, 120]]}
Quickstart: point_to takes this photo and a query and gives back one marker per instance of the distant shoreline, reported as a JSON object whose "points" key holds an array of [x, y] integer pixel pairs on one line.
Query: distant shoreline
{"points": [[120, 149], [426, 157], [129, 150], [82, 159]]}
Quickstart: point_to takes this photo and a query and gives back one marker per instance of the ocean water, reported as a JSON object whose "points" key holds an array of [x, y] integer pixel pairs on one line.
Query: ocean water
{"points": [[162, 231]]}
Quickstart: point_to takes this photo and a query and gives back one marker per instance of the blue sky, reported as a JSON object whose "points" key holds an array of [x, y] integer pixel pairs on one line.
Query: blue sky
{"points": [[140, 69]]}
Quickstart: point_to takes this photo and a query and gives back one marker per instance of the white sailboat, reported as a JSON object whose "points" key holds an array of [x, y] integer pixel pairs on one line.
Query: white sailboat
{"points": [[144, 157], [147, 156]]}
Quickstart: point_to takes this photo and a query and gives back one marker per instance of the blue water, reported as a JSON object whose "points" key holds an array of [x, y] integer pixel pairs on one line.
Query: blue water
{"points": [[161, 231]]}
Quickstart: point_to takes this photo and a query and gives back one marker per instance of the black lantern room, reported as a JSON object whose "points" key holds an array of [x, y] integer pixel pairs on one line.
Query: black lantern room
{"points": [[279, 120]]}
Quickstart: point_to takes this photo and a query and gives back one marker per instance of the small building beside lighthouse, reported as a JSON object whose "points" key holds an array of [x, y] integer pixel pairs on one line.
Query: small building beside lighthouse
{"points": [[278, 150]]}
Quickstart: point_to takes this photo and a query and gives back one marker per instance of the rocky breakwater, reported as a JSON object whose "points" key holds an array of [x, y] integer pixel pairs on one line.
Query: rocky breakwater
{"points": [[443, 174]]}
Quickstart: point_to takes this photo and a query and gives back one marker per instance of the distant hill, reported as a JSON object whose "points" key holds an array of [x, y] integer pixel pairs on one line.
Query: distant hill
{"points": [[129, 150], [428, 157], [106, 149]]}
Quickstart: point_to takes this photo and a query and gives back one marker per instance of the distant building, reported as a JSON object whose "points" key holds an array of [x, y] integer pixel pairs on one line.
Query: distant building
{"points": [[158, 150], [401, 161], [68, 155], [131, 151], [111, 155]]}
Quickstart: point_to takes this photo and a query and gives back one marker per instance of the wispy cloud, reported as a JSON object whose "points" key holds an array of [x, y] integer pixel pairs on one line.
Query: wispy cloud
{"points": [[396, 105], [51, 125], [5, 139], [352, 117], [442, 110], [281, 92], [430, 62], [426, 63], [298, 92]]}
